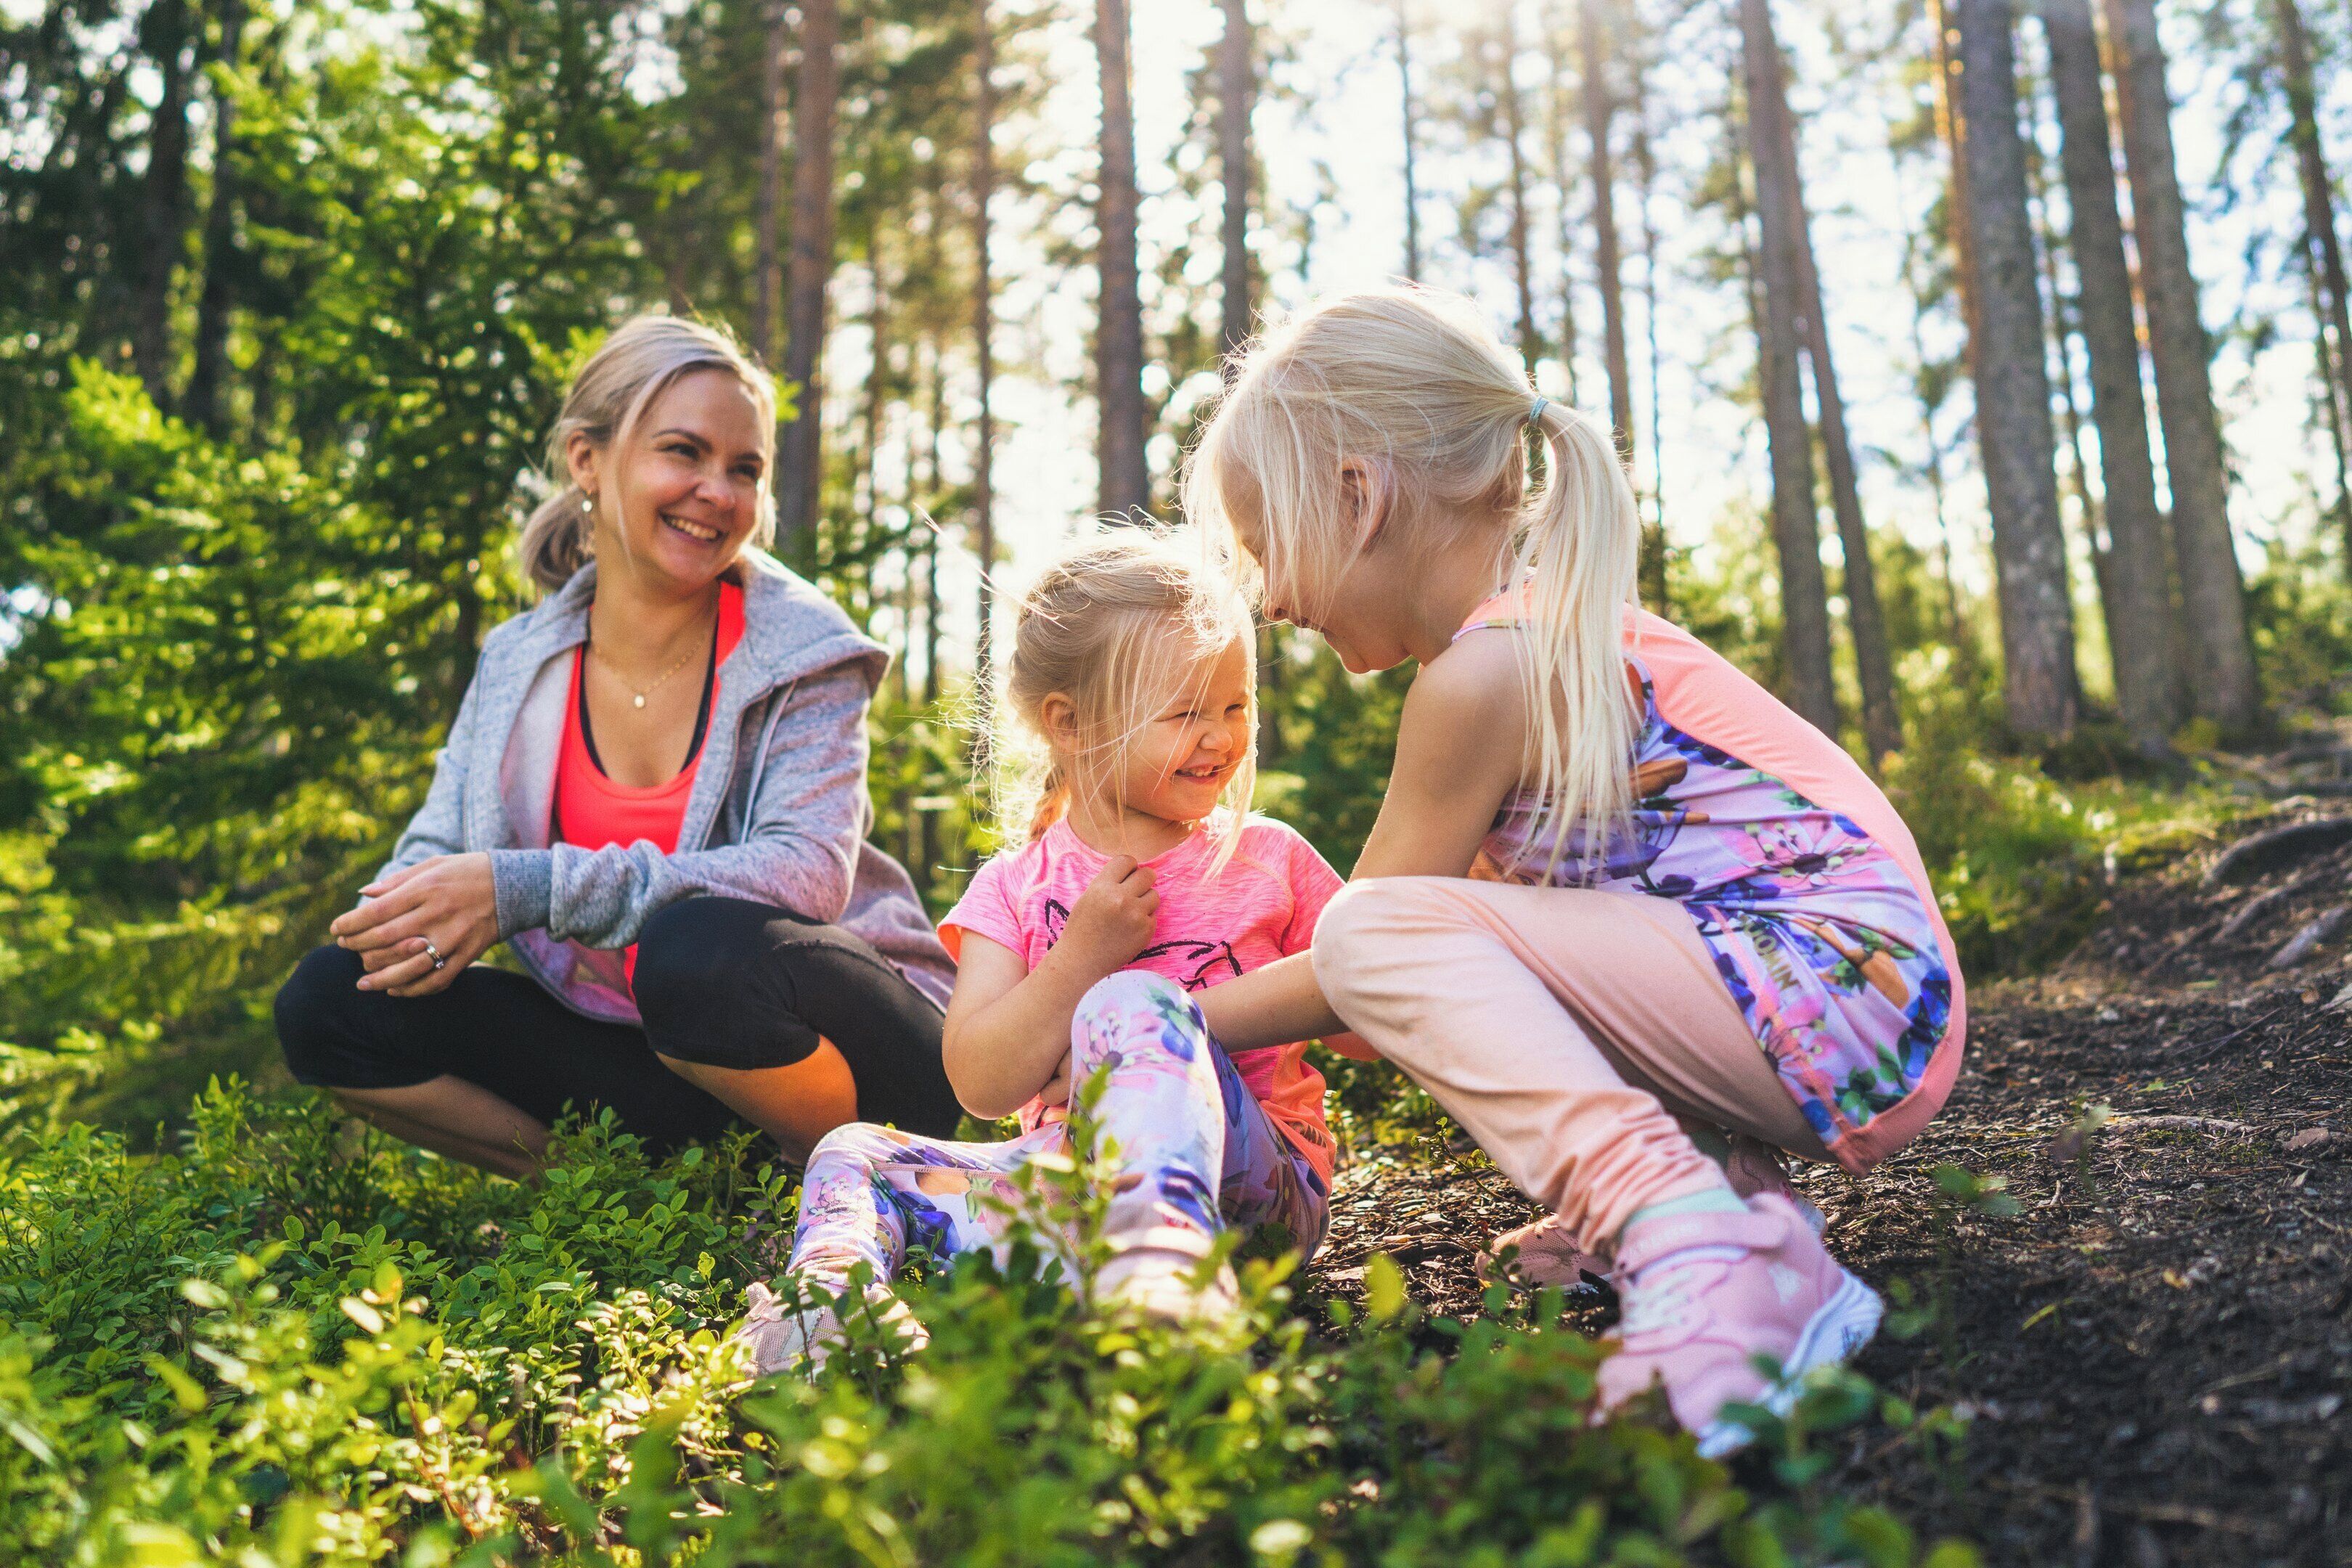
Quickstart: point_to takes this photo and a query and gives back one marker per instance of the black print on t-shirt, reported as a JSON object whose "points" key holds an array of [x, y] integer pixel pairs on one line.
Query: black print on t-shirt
{"points": [[1210, 961]]}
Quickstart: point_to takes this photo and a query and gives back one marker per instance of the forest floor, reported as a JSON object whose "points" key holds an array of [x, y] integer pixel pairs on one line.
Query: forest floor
{"points": [[2154, 1353]]}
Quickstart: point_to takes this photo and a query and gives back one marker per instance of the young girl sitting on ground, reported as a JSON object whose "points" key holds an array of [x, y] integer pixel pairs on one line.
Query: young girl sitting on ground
{"points": [[1136, 886], [1699, 920]]}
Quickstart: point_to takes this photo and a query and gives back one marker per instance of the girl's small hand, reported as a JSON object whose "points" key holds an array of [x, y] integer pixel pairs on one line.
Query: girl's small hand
{"points": [[446, 905], [1057, 1088], [1115, 915]]}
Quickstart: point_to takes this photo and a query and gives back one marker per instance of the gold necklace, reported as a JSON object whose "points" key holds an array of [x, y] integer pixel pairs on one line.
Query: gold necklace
{"points": [[637, 697]]}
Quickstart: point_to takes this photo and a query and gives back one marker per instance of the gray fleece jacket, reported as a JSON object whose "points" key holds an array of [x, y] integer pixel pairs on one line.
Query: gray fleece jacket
{"points": [[778, 814]]}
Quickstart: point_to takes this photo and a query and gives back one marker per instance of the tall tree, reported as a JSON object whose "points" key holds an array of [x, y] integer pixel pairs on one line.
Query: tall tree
{"points": [[169, 34], [983, 336], [800, 457], [1646, 166], [1236, 96], [1506, 44], [768, 286], [203, 406], [1411, 126], [2323, 252], [2012, 378], [1118, 335], [1557, 115], [1774, 295], [2212, 592], [2137, 599], [1600, 112], [1882, 721]]}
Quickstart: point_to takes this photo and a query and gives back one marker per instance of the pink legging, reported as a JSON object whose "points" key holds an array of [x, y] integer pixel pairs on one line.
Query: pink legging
{"points": [[1571, 1032]]}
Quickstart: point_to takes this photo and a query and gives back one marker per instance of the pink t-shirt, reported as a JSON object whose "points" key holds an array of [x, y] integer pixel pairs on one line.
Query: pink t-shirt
{"points": [[1261, 907]]}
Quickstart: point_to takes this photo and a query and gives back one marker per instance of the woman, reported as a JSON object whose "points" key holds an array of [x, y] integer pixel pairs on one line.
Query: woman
{"points": [[655, 791]]}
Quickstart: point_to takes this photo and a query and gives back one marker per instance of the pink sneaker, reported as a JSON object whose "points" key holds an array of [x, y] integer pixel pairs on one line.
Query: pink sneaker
{"points": [[1548, 1255], [1705, 1293]]}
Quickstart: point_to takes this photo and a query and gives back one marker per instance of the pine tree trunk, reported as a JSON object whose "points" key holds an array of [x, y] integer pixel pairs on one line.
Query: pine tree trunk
{"points": [[1654, 537], [800, 466], [2323, 250], [1882, 721], [2137, 599], [202, 405], [1796, 528], [1556, 116], [166, 34], [1236, 96], [1411, 136], [1600, 112], [2011, 369], [984, 334], [1506, 98], [768, 284], [1119, 337], [1951, 125], [2224, 689]]}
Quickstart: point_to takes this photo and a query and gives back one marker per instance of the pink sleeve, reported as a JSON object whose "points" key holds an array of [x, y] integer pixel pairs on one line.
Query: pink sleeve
{"points": [[1313, 884], [987, 908]]}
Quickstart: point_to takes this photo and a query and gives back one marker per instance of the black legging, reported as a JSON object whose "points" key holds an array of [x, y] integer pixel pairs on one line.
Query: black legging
{"points": [[725, 983]]}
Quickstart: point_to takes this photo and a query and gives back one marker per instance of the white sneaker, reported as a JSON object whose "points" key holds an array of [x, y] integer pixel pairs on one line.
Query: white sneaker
{"points": [[1164, 1284], [784, 1336]]}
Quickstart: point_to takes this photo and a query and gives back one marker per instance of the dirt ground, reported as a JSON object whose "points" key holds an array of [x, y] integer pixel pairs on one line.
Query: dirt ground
{"points": [[2154, 1352]]}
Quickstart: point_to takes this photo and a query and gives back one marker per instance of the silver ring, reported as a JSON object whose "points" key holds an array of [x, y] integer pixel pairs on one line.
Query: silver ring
{"points": [[435, 953]]}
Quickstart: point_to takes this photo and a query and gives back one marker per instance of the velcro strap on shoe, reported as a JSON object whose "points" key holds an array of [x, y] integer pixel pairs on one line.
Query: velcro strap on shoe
{"points": [[1652, 1239]]}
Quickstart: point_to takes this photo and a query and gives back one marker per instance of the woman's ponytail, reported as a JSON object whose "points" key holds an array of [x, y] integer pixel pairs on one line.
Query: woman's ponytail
{"points": [[554, 542]]}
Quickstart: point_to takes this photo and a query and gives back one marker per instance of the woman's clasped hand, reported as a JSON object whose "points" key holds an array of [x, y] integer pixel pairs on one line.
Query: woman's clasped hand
{"points": [[416, 928]]}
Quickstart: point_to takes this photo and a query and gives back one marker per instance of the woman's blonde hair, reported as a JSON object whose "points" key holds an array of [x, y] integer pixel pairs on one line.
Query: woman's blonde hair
{"points": [[641, 359], [1415, 386], [1119, 625]]}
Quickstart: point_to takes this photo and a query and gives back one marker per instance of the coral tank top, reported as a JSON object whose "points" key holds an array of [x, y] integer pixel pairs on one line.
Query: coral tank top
{"points": [[592, 811]]}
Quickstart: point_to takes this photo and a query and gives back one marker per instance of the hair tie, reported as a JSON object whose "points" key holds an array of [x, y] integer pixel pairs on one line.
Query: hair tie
{"points": [[1535, 411]]}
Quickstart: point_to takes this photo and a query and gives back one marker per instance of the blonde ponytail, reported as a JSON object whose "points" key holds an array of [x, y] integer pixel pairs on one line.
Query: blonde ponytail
{"points": [[611, 392], [1411, 386], [1117, 625]]}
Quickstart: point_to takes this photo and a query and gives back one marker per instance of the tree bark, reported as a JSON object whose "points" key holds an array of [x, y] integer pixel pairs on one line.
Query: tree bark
{"points": [[2139, 599], [1882, 721], [1118, 336], [1600, 112], [2224, 689], [983, 335], [801, 460], [166, 34], [1653, 536], [1556, 115], [2012, 381], [1951, 124], [769, 285], [1236, 96], [1796, 528], [2323, 253], [1506, 96], [1411, 190], [202, 405]]}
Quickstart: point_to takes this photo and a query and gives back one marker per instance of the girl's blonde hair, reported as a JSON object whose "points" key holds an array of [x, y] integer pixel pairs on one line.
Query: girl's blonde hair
{"points": [[1413, 384], [641, 359], [1119, 625]]}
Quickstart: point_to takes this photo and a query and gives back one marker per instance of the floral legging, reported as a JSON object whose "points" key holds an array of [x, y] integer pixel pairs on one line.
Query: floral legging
{"points": [[1193, 1144]]}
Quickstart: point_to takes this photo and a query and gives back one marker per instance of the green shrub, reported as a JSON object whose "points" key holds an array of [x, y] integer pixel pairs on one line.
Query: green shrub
{"points": [[279, 1342]]}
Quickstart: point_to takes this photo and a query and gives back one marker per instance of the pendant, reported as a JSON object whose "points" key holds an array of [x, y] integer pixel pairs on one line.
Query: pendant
{"points": [[640, 699]]}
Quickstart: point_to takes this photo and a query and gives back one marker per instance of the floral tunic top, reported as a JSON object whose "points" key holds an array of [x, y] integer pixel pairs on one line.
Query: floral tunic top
{"points": [[1801, 879]]}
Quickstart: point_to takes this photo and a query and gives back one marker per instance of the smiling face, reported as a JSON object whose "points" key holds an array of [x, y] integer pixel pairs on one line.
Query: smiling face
{"points": [[1173, 760], [677, 498]]}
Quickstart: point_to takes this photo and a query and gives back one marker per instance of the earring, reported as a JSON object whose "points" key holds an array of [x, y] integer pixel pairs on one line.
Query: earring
{"points": [[588, 506]]}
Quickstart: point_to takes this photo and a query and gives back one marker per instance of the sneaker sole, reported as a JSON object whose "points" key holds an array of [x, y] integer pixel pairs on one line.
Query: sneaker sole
{"points": [[1844, 1323]]}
